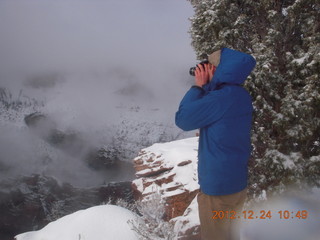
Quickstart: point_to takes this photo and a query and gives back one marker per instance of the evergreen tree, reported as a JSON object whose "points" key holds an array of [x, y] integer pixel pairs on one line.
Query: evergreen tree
{"points": [[284, 37]]}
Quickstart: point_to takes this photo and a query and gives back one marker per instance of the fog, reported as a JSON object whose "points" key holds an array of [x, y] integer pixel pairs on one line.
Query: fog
{"points": [[147, 37], [98, 47], [88, 63], [293, 215]]}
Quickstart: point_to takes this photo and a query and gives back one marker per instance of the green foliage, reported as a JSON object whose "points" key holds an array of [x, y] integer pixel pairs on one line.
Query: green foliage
{"points": [[284, 37]]}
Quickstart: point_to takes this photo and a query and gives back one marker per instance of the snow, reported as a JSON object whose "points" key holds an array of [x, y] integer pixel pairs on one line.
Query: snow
{"points": [[210, 12], [170, 154], [96, 223], [272, 13], [287, 161], [301, 60], [313, 62], [284, 11], [189, 219], [315, 159]]}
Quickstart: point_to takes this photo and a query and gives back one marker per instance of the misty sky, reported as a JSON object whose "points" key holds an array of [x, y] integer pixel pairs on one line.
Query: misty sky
{"points": [[104, 45], [110, 56], [92, 34]]}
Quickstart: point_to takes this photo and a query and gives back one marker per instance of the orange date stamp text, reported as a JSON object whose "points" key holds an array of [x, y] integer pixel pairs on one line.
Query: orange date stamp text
{"points": [[263, 214]]}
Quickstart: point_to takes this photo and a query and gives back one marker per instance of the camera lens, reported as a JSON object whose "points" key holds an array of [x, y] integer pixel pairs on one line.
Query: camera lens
{"points": [[192, 71]]}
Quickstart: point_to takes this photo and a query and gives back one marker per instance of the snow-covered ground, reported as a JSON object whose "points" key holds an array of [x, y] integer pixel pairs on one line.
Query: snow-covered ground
{"points": [[96, 223]]}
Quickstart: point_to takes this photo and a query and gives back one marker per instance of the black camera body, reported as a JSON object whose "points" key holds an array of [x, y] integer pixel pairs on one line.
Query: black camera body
{"points": [[193, 69]]}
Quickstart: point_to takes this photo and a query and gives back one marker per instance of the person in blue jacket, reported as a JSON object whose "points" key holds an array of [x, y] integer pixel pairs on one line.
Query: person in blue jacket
{"points": [[222, 109]]}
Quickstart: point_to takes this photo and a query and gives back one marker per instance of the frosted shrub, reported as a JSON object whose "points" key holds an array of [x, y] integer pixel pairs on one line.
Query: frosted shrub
{"points": [[8, 101], [150, 225]]}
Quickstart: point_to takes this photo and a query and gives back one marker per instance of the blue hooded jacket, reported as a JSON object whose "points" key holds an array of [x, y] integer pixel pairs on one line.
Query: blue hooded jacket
{"points": [[222, 109]]}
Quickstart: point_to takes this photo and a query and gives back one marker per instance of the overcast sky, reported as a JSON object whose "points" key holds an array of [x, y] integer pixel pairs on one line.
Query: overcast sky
{"points": [[92, 34], [147, 40], [109, 53]]}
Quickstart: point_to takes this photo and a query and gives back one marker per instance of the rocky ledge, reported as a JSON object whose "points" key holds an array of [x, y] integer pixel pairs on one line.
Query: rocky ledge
{"points": [[170, 169]]}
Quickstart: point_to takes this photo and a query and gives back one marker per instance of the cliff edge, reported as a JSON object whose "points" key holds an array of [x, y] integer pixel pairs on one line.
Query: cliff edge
{"points": [[170, 169]]}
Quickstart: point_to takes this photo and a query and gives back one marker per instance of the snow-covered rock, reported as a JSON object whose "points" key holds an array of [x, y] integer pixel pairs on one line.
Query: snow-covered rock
{"points": [[96, 223], [187, 226], [170, 169]]}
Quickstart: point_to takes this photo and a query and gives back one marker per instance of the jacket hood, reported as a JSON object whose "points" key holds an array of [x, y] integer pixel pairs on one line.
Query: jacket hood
{"points": [[234, 68]]}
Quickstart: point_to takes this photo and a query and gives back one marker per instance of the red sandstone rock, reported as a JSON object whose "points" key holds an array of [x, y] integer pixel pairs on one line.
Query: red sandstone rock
{"points": [[160, 169]]}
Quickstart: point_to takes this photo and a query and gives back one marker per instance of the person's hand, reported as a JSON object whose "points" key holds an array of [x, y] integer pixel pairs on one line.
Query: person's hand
{"points": [[203, 74]]}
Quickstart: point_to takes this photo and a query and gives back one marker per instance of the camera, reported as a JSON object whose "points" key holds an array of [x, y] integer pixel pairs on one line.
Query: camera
{"points": [[193, 69]]}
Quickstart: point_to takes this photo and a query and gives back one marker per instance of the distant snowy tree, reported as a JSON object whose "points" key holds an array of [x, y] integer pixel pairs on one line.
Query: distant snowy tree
{"points": [[284, 37]]}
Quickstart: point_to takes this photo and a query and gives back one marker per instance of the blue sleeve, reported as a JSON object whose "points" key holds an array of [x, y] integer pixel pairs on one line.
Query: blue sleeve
{"points": [[199, 109]]}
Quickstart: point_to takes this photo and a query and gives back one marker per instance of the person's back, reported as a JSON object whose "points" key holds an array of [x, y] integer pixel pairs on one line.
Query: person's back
{"points": [[222, 109], [224, 145]]}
